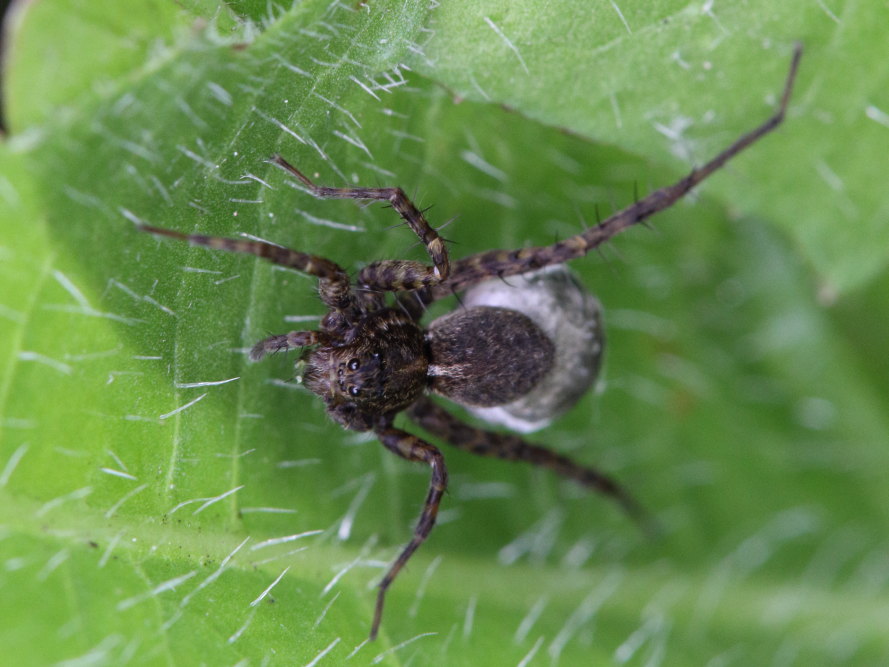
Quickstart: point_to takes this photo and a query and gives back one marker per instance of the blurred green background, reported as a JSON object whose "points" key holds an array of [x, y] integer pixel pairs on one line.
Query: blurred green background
{"points": [[149, 474]]}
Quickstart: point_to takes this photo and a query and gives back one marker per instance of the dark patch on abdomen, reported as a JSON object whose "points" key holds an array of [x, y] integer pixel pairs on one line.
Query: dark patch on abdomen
{"points": [[487, 356]]}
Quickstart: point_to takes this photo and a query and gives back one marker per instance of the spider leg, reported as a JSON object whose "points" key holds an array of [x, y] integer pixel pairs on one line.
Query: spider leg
{"points": [[398, 275], [411, 448], [288, 341], [387, 275], [435, 419], [412, 304], [334, 285], [503, 263]]}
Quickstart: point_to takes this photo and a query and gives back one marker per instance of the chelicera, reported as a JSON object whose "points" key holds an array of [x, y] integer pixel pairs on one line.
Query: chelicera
{"points": [[371, 359]]}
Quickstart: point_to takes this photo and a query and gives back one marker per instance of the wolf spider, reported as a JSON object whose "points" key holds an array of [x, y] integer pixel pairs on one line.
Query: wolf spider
{"points": [[369, 361]]}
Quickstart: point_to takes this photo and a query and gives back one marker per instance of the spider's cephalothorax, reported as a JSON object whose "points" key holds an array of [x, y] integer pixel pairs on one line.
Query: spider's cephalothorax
{"points": [[377, 370], [369, 361]]}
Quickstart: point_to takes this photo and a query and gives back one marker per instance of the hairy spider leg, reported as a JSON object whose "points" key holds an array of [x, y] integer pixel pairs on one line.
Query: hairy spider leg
{"points": [[334, 285], [508, 447], [411, 448], [288, 341], [504, 263], [388, 275], [411, 303]]}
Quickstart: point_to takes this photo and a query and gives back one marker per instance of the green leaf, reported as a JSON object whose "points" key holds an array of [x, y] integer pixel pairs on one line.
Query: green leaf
{"points": [[164, 501], [676, 82]]}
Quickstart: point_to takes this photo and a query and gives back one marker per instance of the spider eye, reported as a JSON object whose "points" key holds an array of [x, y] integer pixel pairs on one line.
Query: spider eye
{"points": [[354, 364], [354, 391]]}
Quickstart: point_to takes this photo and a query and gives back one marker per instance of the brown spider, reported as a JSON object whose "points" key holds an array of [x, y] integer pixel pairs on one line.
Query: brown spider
{"points": [[369, 361]]}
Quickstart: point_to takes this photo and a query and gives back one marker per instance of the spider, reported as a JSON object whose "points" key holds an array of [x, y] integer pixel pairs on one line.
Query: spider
{"points": [[371, 359]]}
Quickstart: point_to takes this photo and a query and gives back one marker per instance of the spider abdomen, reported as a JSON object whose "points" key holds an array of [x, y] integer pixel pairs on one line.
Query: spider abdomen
{"points": [[558, 303], [487, 356]]}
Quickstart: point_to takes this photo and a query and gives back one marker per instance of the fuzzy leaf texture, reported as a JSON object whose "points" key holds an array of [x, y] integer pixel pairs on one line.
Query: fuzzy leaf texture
{"points": [[164, 501]]}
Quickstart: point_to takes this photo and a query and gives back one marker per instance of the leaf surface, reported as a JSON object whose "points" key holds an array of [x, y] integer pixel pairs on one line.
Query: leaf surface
{"points": [[164, 501]]}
